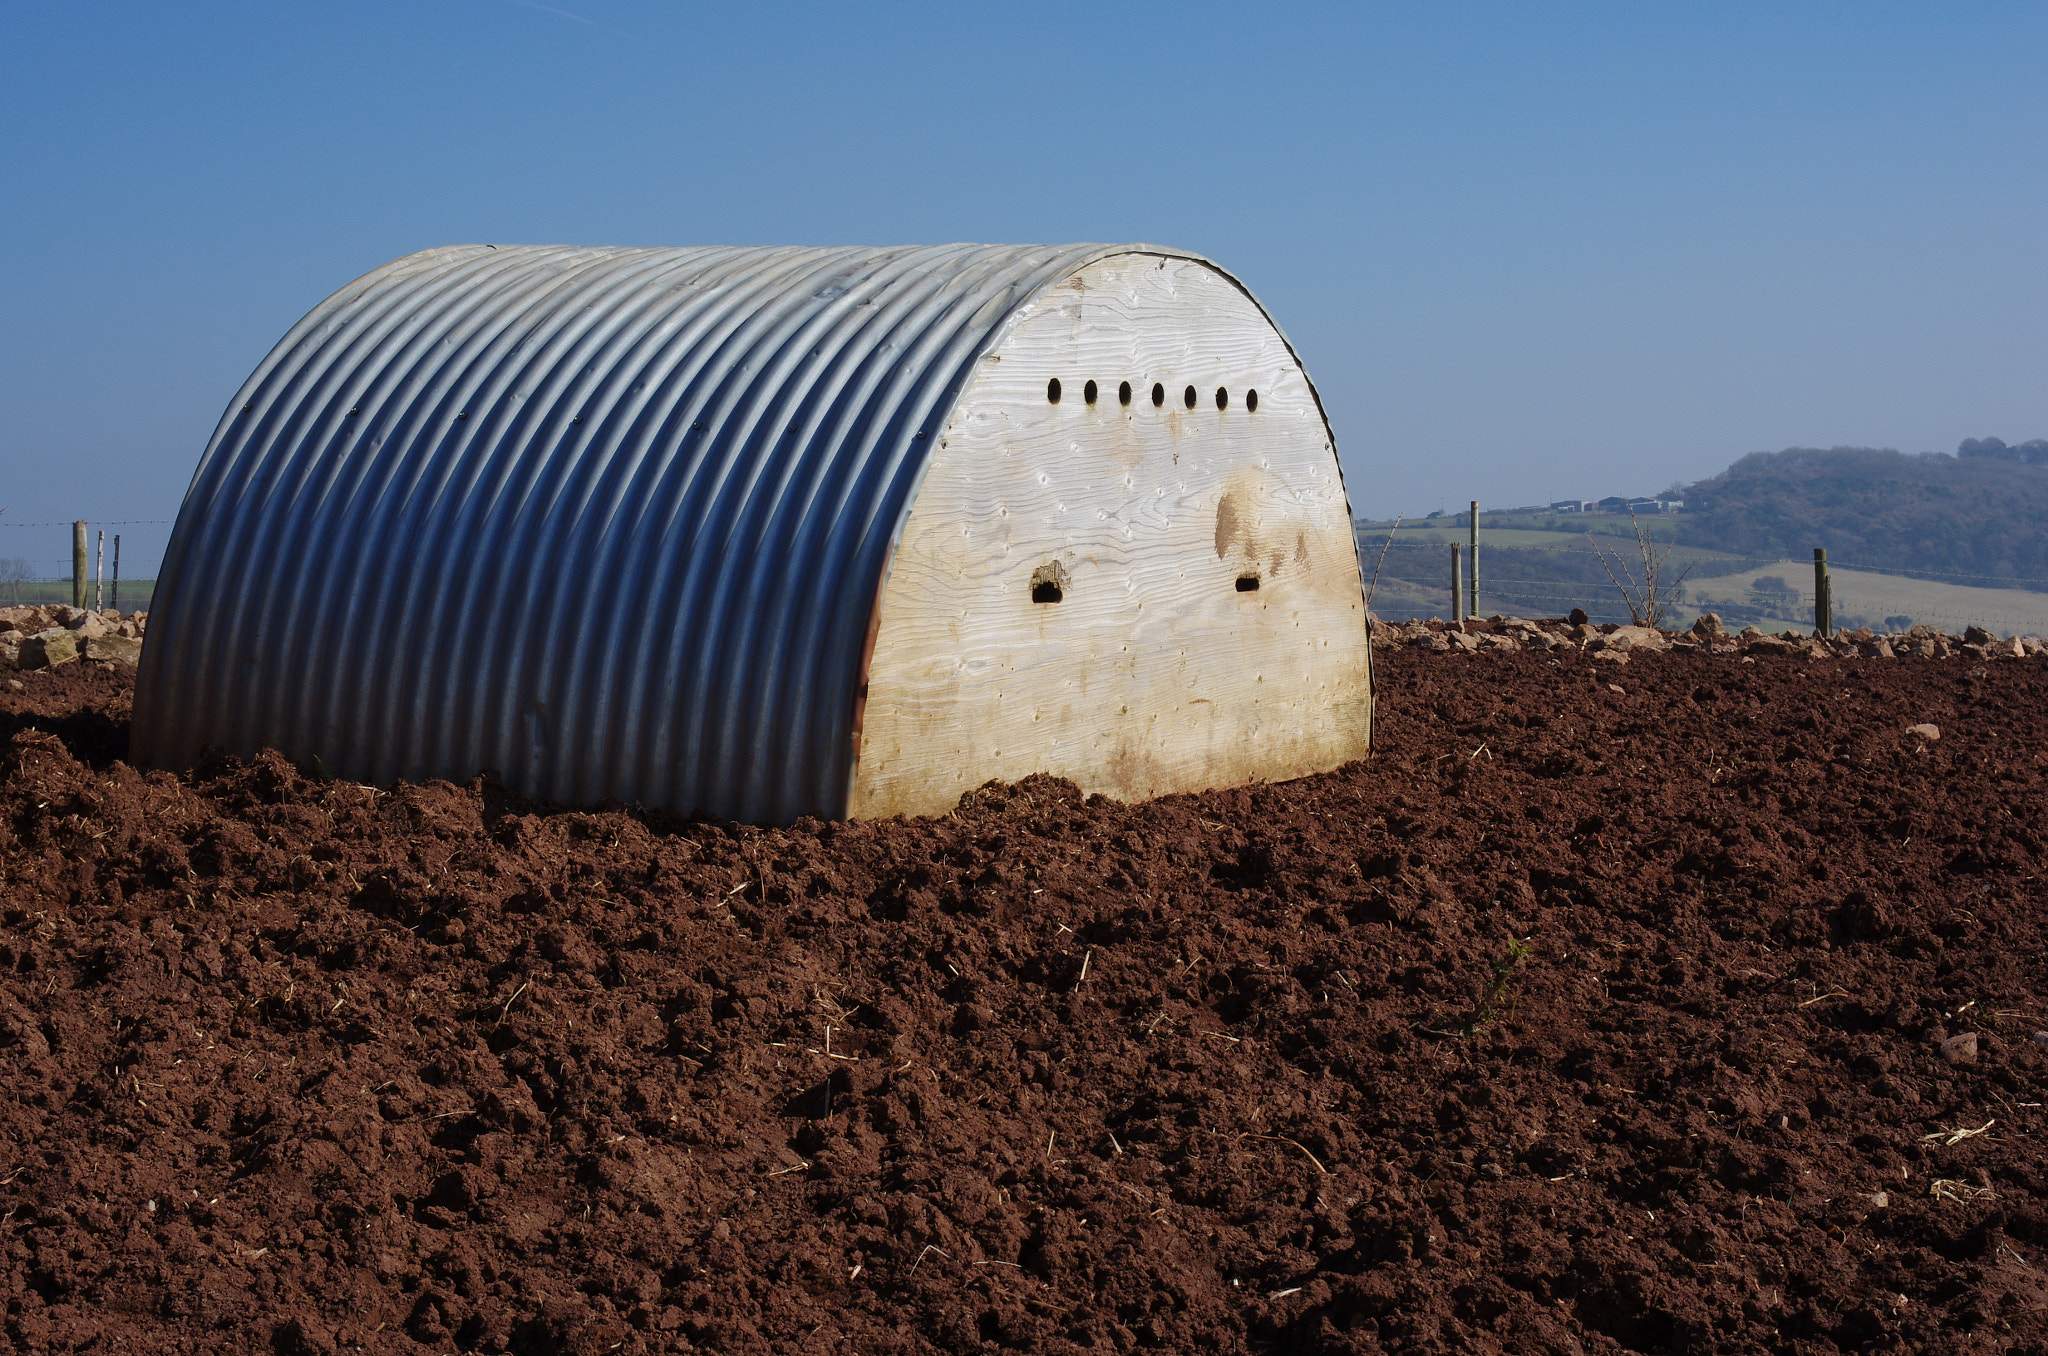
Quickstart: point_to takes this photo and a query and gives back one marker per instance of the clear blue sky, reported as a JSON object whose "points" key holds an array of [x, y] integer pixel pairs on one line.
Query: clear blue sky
{"points": [[1527, 251]]}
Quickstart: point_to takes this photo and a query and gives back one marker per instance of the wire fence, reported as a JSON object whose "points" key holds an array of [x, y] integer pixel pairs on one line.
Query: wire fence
{"points": [[21, 577], [1371, 540], [119, 522], [30, 581], [42, 582], [1553, 578]]}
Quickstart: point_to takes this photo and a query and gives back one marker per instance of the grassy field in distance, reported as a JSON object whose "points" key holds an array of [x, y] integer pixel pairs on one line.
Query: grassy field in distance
{"points": [[1612, 534], [135, 594], [1371, 538], [1533, 572], [1872, 596]]}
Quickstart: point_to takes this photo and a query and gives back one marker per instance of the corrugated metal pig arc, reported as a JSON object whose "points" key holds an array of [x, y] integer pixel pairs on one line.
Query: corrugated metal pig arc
{"points": [[407, 513], [483, 516], [571, 667], [611, 520]]}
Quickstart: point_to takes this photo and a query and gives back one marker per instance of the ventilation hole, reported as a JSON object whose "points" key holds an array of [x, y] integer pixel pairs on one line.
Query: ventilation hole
{"points": [[1088, 393], [1247, 583], [1222, 399], [1052, 390], [1048, 582], [1251, 401], [1123, 393], [1187, 397], [1158, 394]]}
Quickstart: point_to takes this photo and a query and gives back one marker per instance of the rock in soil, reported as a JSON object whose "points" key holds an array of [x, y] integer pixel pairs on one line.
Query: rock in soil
{"points": [[48, 649], [113, 649], [1573, 1021]]}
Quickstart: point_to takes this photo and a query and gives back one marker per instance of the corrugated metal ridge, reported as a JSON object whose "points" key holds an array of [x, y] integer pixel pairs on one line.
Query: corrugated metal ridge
{"points": [[609, 520]]}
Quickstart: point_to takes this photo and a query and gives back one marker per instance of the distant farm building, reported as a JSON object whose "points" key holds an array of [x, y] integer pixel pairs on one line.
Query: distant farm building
{"points": [[764, 533]]}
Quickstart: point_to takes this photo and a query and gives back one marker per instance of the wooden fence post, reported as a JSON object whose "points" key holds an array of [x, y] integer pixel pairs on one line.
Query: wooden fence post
{"points": [[78, 565], [1457, 583], [1823, 595], [116, 598], [1472, 588]]}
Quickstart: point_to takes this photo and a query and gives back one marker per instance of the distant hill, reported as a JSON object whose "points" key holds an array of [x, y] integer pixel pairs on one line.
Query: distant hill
{"points": [[1978, 518], [1934, 538]]}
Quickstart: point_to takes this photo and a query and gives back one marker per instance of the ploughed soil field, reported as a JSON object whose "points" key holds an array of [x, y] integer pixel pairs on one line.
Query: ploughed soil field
{"points": [[1687, 1006]]}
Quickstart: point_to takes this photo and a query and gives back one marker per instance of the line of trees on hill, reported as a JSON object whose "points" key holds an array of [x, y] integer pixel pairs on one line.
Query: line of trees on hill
{"points": [[2034, 453], [1977, 518]]}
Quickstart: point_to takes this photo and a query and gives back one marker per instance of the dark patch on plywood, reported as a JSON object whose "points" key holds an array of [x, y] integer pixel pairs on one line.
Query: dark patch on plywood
{"points": [[1227, 524]]}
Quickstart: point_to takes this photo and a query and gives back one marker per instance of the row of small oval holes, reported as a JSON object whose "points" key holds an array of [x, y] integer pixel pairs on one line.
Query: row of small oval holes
{"points": [[1249, 583], [1045, 591], [1123, 395]]}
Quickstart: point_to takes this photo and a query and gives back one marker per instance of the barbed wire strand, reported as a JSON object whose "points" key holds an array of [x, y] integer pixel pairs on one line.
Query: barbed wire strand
{"points": [[116, 522]]}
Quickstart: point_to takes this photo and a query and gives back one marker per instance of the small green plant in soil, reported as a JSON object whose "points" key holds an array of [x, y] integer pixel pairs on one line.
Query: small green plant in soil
{"points": [[1497, 999]]}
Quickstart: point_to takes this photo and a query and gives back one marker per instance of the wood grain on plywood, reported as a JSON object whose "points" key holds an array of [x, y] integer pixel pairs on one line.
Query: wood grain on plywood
{"points": [[1155, 672]]}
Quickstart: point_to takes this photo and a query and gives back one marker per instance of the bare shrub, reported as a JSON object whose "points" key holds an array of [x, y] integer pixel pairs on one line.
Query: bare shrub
{"points": [[1649, 595], [14, 572], [1381, 561]]}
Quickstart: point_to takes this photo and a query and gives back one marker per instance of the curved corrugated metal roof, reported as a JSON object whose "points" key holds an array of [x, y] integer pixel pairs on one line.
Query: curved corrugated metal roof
{"points": [[611, 521]]}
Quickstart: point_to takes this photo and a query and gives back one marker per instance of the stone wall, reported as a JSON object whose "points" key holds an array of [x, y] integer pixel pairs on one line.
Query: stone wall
{"points": [[1615, 643], [46, 637]]}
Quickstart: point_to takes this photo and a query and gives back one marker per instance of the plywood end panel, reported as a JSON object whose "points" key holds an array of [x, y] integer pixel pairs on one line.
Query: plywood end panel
{"points": [[1143, 597]]}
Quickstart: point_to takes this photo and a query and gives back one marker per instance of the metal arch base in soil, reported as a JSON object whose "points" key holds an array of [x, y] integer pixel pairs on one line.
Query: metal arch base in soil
{"points": [[298, 1066]]}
